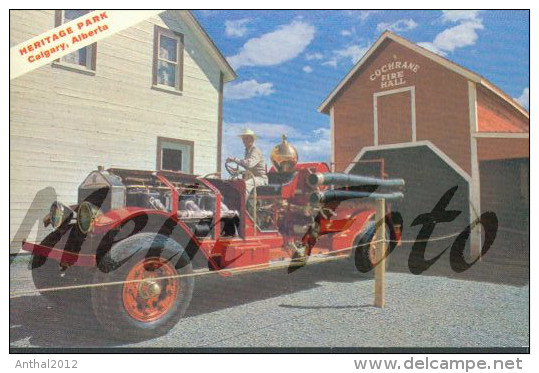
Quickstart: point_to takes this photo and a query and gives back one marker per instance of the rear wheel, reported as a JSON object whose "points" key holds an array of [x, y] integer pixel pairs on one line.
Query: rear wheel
{"points": [[364, 253], [140, 290]]}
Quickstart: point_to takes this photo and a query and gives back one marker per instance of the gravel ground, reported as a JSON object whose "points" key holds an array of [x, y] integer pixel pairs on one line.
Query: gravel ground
{"points": [[324, 305]]}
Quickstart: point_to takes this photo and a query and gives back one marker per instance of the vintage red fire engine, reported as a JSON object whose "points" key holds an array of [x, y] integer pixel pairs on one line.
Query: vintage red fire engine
{"points": [[132, 243]]}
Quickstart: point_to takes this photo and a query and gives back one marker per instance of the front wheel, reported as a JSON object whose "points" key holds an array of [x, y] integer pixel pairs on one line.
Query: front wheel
{"points": [[143, 287], [364, 253]]}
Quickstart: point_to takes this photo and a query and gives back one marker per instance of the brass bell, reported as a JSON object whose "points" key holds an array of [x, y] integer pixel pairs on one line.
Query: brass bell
{"points": [[284, 156]]}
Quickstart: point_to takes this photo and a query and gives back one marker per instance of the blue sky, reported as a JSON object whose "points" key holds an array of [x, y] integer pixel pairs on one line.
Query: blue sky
{"points": [[289, 61]]}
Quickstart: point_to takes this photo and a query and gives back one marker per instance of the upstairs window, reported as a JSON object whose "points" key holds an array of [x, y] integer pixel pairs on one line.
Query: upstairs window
{"points": [[83, 58], [168, 59]]}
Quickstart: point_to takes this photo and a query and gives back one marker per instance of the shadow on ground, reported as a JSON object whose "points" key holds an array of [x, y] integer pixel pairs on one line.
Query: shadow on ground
{"points": [[36, 321], [506, 262]]}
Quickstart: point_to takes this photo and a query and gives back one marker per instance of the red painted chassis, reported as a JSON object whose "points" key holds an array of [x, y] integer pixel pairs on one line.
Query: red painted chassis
{"points": [[336, 236], [333, 229]]}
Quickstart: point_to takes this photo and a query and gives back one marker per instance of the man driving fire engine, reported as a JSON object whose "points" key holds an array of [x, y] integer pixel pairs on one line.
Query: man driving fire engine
{"points": [[253, 162]]}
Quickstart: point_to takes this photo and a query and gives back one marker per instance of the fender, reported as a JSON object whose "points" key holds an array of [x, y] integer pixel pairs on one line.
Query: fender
{"points": [[126, 248], [118, 225], [345, 220], [348, 237], [372, 217]]}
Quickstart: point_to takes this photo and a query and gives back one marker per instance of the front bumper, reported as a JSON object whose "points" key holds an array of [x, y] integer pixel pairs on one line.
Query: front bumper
{"points": [[61, 256]]}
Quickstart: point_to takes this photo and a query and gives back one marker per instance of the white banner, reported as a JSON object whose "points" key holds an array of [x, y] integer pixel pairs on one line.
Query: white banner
{"points": [[71, 36]]}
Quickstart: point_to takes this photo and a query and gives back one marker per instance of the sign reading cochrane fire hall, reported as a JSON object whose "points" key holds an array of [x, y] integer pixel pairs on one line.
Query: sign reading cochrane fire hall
{"points": [[393, 73], [71, 36]]}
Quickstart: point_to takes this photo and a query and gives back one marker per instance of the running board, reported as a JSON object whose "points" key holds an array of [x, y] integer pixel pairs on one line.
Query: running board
{"points": [[285, 263], [275, 264]]}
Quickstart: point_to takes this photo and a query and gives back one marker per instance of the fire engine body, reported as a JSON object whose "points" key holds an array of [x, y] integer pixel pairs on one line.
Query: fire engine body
{"points": [[145, 227], [338, 224]]}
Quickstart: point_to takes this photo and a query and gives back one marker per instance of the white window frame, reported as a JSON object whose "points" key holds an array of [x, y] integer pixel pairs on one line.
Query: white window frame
{"points": [[91, 51], [178, 86], [186, 146]]}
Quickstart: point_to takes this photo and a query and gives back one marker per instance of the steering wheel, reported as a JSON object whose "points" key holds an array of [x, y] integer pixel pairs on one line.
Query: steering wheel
{"points": [[234, 171]]}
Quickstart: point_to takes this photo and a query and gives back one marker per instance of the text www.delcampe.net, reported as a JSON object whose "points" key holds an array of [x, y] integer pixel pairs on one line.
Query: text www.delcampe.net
{"points": [[435, 363]]}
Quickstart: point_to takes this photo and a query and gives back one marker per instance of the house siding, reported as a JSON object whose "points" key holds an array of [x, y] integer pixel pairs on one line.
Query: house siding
{"points": [[63, 124]]}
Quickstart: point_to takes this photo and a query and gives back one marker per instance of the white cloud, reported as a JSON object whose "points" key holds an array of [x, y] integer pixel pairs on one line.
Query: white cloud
{"points": [[362, 15], [464, 34], [459, 15], [247, 89], [308, 69], [237, 27], [431, 47], [314, 56], [346, 32], [276, 47], [312, 145], [323, 131], [459, 36], [402, 25], [316, 147], [332, 62], [353, 53], [524, 98]]}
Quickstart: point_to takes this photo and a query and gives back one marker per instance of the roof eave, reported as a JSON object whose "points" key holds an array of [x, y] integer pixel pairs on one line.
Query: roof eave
{"points": [[228, 72], [471, 76], [325, 106], [491, 87]]}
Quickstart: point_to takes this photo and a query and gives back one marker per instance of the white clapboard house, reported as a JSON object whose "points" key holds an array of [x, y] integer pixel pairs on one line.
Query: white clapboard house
{"points": [[149, 97]]}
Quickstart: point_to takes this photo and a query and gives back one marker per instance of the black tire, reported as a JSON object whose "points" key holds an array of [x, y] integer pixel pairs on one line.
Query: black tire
{"points": [[47, 274], [124, 259], [363, 253]]}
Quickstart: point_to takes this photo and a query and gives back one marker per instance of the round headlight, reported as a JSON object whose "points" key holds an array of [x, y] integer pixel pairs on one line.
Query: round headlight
{"points": [[85, 216], [59, 213]]}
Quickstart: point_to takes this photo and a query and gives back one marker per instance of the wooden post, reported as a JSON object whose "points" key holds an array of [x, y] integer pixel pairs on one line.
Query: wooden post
{"points": [[380, 269]]}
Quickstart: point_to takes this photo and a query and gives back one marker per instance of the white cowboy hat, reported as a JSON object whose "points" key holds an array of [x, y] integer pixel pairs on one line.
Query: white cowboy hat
{"points": [[248, 132]]}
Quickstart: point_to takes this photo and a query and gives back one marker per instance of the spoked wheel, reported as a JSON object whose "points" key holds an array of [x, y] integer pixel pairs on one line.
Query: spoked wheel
{"points": [[364, 253], [150, 290], [143, 287]]}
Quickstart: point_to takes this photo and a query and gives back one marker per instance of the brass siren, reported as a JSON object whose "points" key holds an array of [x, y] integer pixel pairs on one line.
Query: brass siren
{"points": [[284, 156]]}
